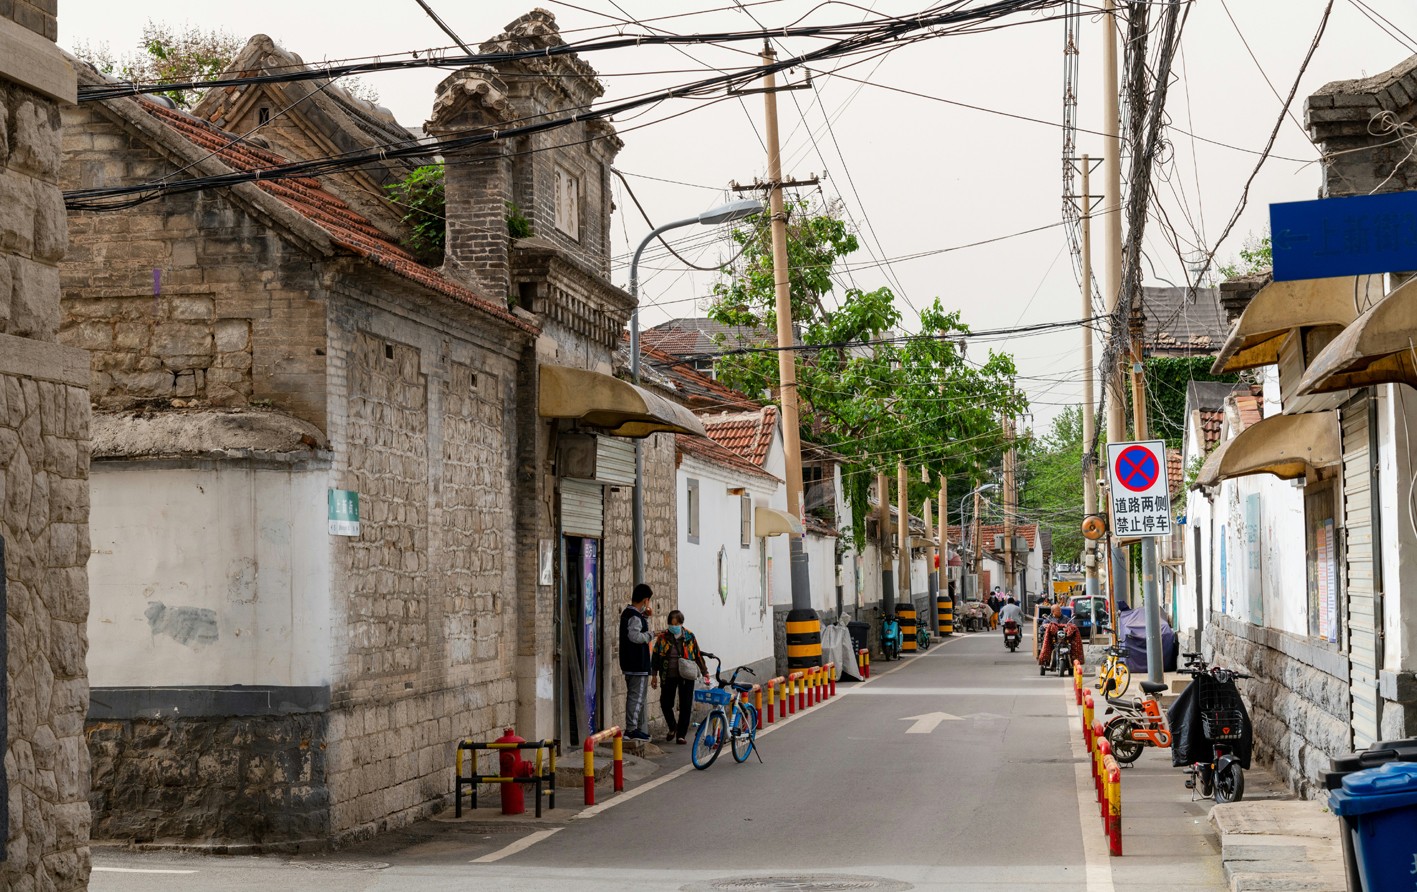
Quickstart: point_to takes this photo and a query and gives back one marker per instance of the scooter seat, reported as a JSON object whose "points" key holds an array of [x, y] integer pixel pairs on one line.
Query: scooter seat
{"points": [[1149, 687]]}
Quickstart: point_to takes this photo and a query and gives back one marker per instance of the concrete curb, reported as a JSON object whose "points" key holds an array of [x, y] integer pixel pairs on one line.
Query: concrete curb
{"points": [[1279, 845]]}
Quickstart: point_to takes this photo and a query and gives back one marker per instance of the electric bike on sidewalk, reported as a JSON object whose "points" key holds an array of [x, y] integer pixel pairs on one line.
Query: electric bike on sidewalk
{"points": [[891, 639]]}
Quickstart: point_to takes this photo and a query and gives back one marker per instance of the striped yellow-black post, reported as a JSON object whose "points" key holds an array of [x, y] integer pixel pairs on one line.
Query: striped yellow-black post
{"points": [[945, 610], [905, 612], [804, 639]]}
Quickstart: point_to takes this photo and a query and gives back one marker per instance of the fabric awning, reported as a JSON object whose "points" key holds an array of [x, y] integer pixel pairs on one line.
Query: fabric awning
{"points": [[1283, 445], [618, 407], [1277, 309], [775, 522], [1376, 349], [1209, 474], [923, 542]]}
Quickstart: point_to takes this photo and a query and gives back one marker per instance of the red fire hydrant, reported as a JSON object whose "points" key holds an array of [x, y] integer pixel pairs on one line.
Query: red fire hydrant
{"points": [[511, 764]]}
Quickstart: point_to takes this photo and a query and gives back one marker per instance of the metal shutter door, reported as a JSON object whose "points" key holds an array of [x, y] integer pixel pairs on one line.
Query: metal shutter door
{"points": [[582, 509], [1360, 577]]}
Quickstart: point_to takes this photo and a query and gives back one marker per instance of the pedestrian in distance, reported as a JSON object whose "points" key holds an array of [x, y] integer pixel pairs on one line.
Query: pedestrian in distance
{"points": [[675, 649], [634, 660]]}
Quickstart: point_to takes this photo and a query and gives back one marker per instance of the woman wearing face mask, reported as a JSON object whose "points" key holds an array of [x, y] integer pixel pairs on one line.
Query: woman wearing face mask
{"points": [[674, 644]]}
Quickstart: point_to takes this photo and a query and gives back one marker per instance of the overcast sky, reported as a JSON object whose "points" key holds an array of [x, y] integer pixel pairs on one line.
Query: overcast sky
{"points": [[915, 173]]}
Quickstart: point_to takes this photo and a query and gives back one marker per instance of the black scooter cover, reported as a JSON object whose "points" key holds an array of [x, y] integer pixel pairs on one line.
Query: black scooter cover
{"points": [[1188, 741]]}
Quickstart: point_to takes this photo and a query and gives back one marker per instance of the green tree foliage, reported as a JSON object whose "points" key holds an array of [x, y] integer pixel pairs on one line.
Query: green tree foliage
{"points": [[1256, 256], [872, 397], [168, 54], [1167, 378], [1051, 483]]}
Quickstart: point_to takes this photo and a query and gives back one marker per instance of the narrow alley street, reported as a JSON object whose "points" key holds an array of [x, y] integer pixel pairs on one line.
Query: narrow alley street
{"points": [[978, 783]]}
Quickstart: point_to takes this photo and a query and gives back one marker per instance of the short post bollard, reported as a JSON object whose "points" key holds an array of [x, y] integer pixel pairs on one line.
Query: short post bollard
{"points": [[831, 680], [1104, 753], [863, 660], [1077, 681], [617, 754], [799, 678], [1087, 717], [758, 704], [1114, 805]]}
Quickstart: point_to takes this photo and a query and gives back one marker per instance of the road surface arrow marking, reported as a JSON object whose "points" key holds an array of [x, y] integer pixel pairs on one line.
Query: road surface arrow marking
{"points": [[928, 722]]}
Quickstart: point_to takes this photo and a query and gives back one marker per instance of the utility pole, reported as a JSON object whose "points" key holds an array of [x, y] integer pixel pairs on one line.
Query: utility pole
{"points": [[804, 627], [944, 593], [932, 585], [1112, 252], [1150, 592], [883, 522], [903, 533], [978, 544], [1089, 424], [1010, 502]]}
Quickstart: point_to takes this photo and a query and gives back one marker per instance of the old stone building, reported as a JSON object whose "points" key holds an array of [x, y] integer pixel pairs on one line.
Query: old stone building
{"points": [[44, 463], [349, 508]]}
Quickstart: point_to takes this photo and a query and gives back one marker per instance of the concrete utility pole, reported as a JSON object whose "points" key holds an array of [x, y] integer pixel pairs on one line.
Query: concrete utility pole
{"points": [[883, 520], [978, 543], [1010, 503], [931, 574], [1089, 425], [802, 615], [1112, 252], [944, 572], [903, 533], [1150, 592]]}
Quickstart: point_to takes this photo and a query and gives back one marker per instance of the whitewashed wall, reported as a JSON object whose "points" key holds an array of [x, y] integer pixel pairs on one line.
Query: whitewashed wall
{"points": [[738, 630], [213, 576], [1397, 483]]}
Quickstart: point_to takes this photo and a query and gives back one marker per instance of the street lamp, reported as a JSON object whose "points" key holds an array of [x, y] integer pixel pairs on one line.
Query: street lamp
{"points": [[735, 210]]}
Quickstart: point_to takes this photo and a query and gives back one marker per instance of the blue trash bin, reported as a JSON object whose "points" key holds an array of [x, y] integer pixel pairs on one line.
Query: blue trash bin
{"points": [[1379, 806]]}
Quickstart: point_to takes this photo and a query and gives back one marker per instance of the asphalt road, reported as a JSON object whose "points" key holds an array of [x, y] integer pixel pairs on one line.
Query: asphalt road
{"points": [[847, 796]]}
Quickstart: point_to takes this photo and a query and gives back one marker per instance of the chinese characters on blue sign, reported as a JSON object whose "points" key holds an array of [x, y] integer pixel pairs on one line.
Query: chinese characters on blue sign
{"points": [[1344, 236], [1139, 495]]}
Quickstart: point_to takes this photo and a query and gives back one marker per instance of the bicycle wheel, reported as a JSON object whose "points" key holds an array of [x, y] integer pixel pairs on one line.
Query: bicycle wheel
{"points": [[1119, 736], [745, 733], [1230, 783], [709, 739], [1121, 679]]}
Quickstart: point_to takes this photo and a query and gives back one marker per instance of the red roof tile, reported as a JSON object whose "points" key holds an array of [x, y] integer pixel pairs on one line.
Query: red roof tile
{"points": [[1175, 471], [1211, 422], [1250, 409], [708, 450], [307, 197], [988, 531], [699, 390], [748, 434]]}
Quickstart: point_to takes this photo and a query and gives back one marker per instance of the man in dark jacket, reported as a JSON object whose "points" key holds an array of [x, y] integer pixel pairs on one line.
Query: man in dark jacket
{"points": [[634, 660]]}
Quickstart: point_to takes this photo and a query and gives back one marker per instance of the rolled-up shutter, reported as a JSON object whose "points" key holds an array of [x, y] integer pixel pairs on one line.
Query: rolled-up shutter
{"points": [[582, 509], [1361, 556], [614, 460]]}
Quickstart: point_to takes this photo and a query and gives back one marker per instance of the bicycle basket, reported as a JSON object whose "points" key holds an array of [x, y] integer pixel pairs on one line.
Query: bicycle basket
{"points": [[1223, 724], [1214, 696], [716, 696]]}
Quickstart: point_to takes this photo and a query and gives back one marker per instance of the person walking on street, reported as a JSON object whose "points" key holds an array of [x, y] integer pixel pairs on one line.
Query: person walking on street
{"points": [[635, 661], [675, 649]]}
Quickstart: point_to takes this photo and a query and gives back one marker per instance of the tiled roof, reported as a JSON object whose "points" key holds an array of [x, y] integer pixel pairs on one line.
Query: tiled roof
{"points": [[1211, 422], [989, 530], [700, 392], [1175, 471], [710, 451], [697, 335], [1174, 325], [307, 197], [748, 434]]}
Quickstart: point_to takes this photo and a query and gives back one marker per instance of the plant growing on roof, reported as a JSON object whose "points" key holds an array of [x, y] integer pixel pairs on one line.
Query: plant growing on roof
{"points": [[421, 196]]}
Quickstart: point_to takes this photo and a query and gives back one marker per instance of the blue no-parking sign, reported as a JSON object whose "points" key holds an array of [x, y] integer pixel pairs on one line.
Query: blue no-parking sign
{"points": [[1139, 498]]}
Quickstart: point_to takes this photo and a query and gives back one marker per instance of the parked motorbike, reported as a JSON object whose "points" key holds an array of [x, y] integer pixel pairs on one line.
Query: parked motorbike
{"points": [[1013, 635], [890, 637]]}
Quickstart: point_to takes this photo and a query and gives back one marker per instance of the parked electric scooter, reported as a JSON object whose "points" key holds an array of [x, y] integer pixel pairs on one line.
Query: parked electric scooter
{"points": [[890, 637], [1013, 635]]}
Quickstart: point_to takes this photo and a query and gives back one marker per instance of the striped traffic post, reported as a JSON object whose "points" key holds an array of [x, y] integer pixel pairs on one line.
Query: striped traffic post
{"points": [[831, 679], [905, 615], [1114, 805], [863, 662], [804, 639], [945, 613], [617, 754]]}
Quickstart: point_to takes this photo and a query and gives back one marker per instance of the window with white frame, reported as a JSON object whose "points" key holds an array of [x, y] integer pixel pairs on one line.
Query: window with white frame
{"points": [[568, 202], [745, 521]]}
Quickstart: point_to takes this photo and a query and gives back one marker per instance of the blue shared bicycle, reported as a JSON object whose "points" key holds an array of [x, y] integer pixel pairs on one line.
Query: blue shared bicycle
{"points": [[729, 719]]}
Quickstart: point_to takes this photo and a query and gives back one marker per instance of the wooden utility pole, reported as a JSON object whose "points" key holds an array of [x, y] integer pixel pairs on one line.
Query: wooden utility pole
{"points": [[1089, 425], [931, 575], [1010, 505], [1112, 254], [803, 626], [945, 535], [978, 543]]}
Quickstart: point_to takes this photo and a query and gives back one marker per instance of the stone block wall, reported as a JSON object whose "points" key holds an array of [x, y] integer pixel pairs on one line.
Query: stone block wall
{"points": [[192, 298], [256, 779], [44, 463], [1298, 700], [424, 613]]}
